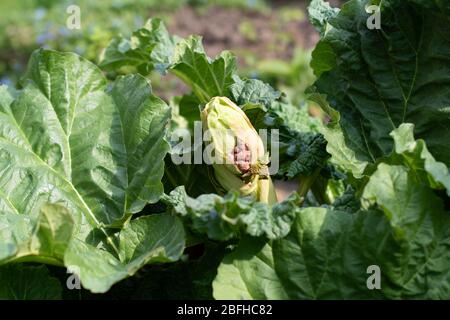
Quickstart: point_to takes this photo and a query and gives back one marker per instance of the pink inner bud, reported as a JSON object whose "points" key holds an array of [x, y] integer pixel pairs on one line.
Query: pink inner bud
{"points": [[242, 156]]}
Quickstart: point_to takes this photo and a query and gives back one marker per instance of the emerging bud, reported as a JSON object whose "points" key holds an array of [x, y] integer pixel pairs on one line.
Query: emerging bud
{"points": [[239, 161]]}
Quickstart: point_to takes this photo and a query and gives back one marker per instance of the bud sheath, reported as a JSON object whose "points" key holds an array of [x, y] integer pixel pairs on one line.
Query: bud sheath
{"points": [[237, 156]]}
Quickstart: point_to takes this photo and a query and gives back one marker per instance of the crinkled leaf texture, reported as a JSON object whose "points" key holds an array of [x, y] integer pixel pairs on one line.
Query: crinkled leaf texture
{"points": [[149, 48], [44, 238], [378, 79], [232, 216], [207, 77], [152, 47], [77, 159], [252, 91], [20, 282], [319, 13], [404, 230]]}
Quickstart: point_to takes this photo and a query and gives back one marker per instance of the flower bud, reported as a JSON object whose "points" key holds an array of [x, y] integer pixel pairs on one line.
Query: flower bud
{"points": [[239, 161]]}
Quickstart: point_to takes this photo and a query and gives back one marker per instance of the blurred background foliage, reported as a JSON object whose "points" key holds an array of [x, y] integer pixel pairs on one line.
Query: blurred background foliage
{"points": [[272, 39]]}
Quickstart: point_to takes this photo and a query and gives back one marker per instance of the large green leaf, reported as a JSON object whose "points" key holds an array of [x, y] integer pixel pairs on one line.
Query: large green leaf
{"points": [[207, 77], [327, 253], [404, 229], [19, 282], [103, 150], [248, 273], [378, 79], [44, 239], [68, 139], [149, 48], [150, 239]]}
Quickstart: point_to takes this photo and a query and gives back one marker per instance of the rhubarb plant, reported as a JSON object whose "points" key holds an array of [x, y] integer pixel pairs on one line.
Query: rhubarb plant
{"points": [[88, 182]]}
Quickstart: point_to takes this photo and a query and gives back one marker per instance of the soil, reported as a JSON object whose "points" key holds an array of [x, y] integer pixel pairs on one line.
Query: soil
{"points": [[268, 35], [271, 36]]}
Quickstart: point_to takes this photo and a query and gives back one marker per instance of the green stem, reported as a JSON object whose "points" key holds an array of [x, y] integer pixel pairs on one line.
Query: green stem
{"points": [[319, 190], [307, 182]]}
